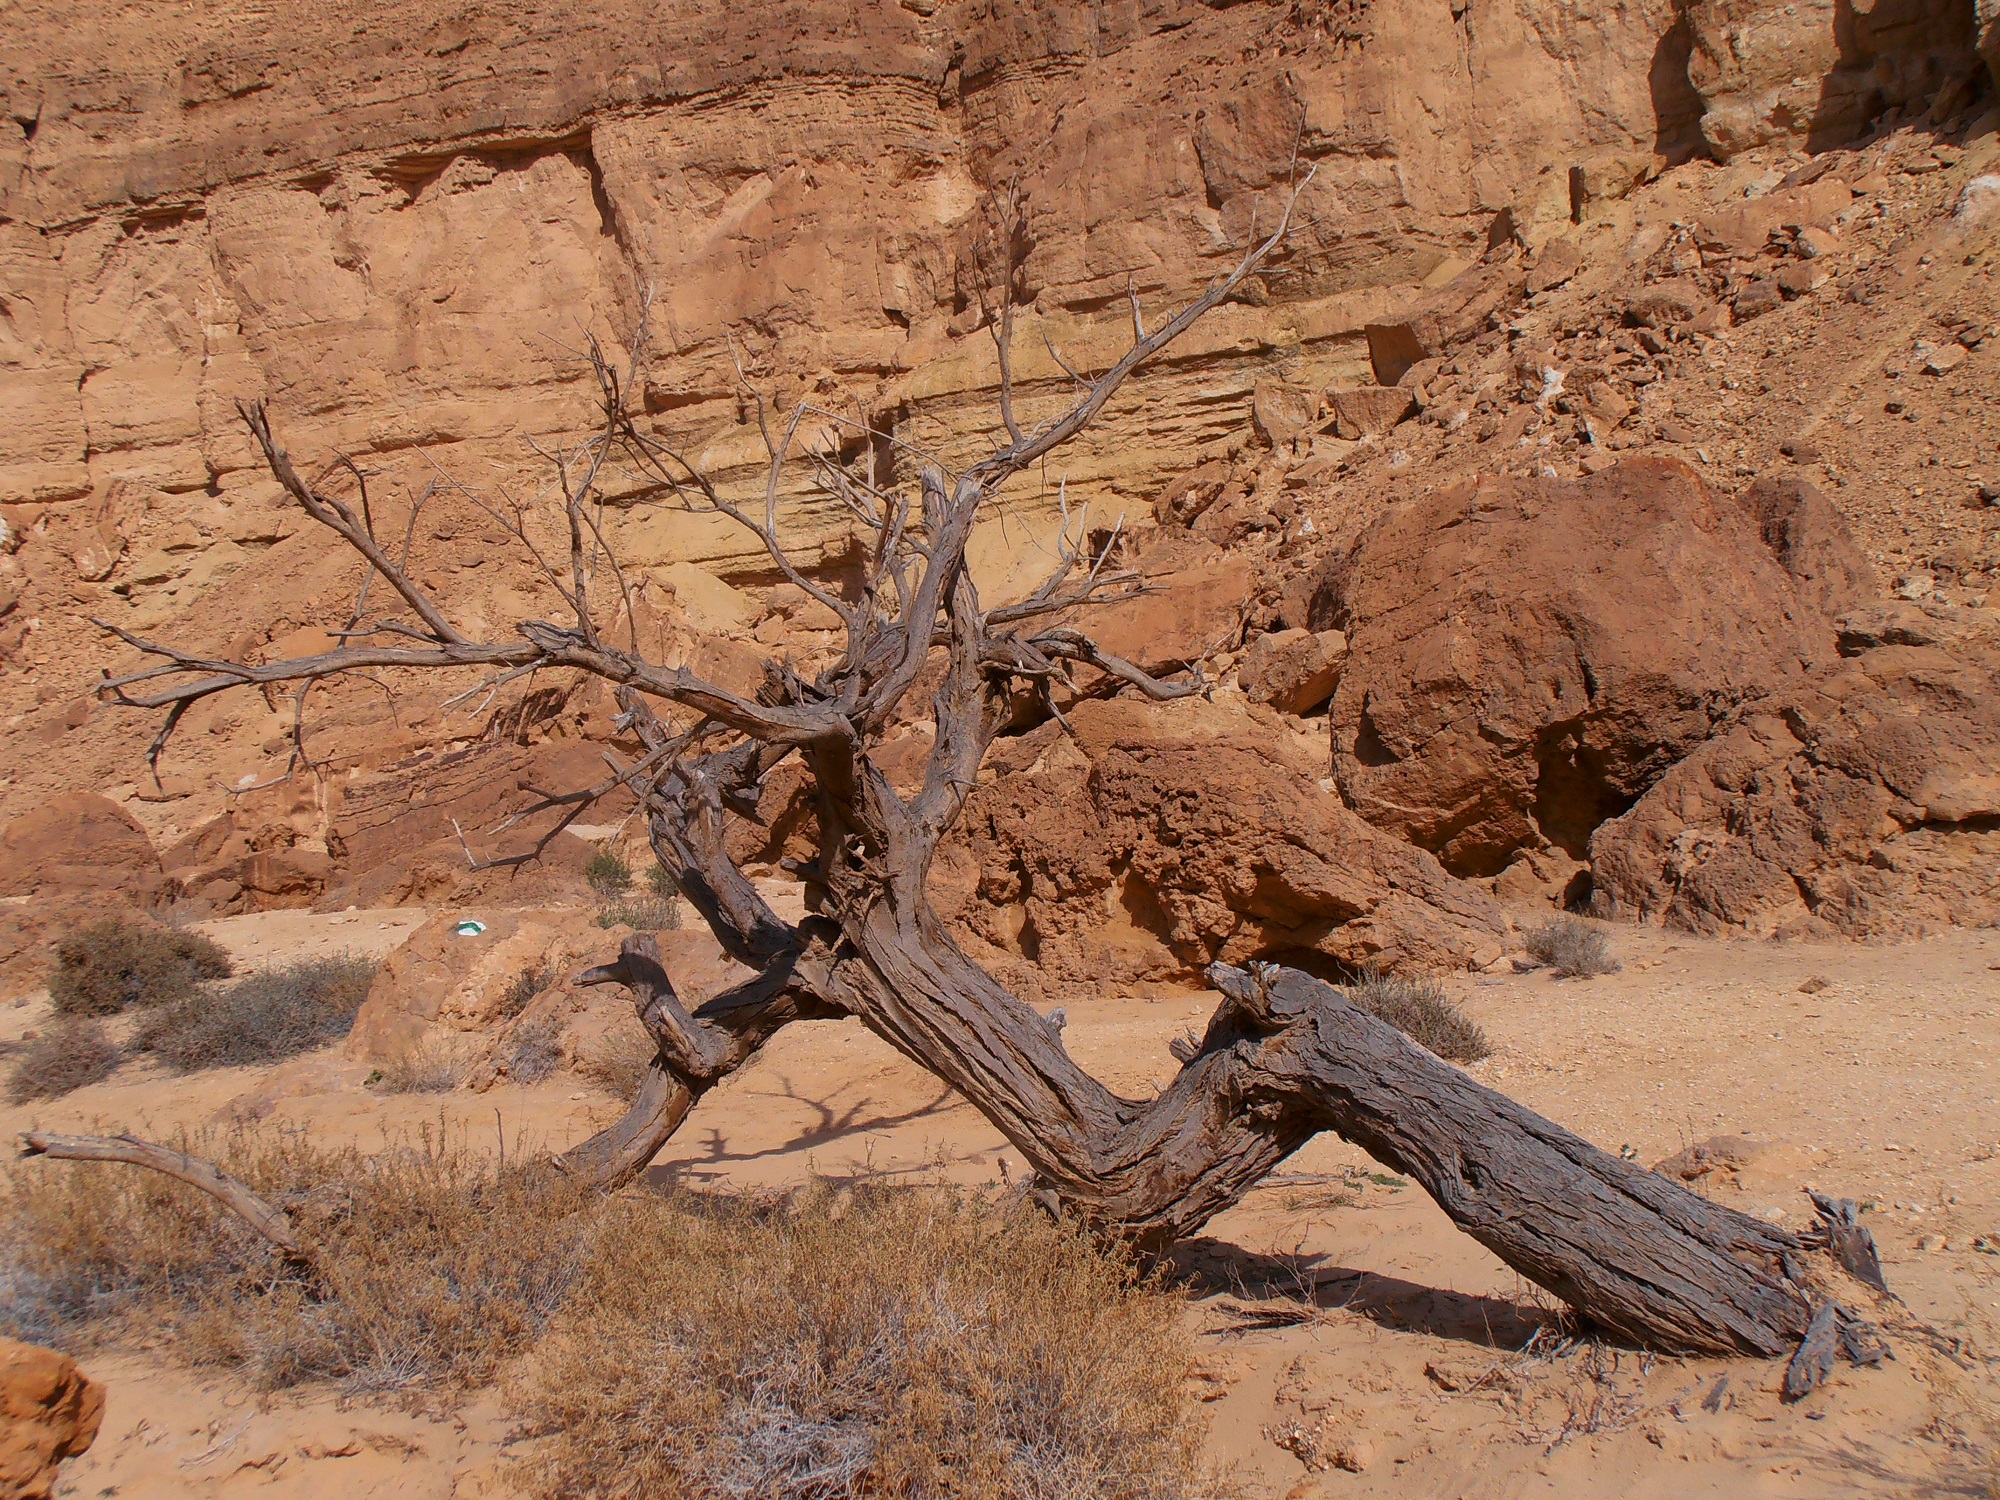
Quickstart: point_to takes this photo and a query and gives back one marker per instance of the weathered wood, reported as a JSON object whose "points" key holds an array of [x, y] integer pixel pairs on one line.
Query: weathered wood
{"points": [[233, 1194], [1283, 1057]]}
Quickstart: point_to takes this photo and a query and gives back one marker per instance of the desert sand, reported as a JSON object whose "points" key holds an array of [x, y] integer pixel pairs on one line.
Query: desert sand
{"points": [[1341, 1318]]}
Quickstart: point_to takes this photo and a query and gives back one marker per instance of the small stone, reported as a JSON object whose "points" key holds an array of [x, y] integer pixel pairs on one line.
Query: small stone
{"points": [[1758, 297], [1815, 984], [1559, 260], [1371, 410], [1800, 451], [1597, 461], [1942, 361], [1803, 277], [1815, 242]]}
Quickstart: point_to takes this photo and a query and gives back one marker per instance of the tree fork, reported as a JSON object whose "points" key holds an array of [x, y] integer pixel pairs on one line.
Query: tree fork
{"points": [[1285, 1056]]}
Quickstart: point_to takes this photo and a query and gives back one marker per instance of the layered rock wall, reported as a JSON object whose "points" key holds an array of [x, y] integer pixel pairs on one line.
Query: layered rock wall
{"points": [[401, 224]]}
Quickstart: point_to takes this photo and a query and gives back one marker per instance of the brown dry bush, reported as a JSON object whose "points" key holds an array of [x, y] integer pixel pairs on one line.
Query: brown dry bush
{"points": [[1424, 1011], [432, 1066], [264, 1017], [618, 1062], [102, 968], [916, 1343], [642, 914], [436, 1266], [1573, 948], [74, 1051]]}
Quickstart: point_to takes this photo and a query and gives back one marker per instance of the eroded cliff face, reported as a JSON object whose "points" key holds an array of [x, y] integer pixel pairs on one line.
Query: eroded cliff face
{"points": [[399, 224]]}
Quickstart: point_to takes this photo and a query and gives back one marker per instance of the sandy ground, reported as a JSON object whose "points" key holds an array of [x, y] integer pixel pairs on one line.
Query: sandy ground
{"points": [[1353, 1342]]}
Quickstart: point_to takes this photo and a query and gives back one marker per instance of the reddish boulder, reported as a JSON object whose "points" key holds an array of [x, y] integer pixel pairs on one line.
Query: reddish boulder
{"points": [[49, 1411], [75, 841], [1527, 656], [1371, 410], [1293, 670], [1864, 801], [1153, 839]]}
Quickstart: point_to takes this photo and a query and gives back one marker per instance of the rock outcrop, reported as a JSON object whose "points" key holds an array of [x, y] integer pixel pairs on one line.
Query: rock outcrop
{"points": [[449, 983], [1149, 840], [76, 841], [1527, 656], [49, 1411], [1864, 801]]}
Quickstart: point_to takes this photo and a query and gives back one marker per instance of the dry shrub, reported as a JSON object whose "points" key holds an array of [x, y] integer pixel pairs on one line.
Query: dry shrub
{"points": [[437, 1266], [1424, 1011], [642, 914], [1573, 948], [74, 1051], [879, 1342], [534, 1051], [433, 1066], [265, 1017], [102, 968], [917, 1343], [617, 1062], [527, 984]]}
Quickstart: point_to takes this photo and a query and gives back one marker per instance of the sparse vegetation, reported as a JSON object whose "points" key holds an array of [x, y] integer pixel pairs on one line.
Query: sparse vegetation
{"points": [[263, 1017], [534, 1051], [431, 1067], [608, 874], [660, 881], [1422, 1010], [915, 1342], [1573, 948], [105, 967], [527, 984], [436, 1266], [74, 1051], [642, 914], [617, 1064]]}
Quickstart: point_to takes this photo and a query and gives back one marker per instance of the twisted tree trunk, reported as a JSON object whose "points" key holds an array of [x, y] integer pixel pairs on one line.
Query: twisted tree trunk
{"points": [[1285, 1056]]}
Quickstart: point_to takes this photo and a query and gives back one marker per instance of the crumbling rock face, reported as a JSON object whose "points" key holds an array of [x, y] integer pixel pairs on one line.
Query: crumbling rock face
{"points": [[49, 1411], [1864, 801], [1817, 71], [1527, 656], [1149, 840]]}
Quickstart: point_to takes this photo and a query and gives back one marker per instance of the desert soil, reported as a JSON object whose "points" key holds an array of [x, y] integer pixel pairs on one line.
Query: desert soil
{"points": [[1352, 1342]]}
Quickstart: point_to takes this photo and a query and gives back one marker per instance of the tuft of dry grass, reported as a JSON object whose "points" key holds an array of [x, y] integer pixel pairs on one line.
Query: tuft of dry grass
{"points": [[1422, 1010], [534, 1052], [265, 1017], [874, 1341], [617, 1063], [437, 1266], [432, 1066], [913, 1342], [104, 967], [74, 1051], [642, 914], [1573, 948]]}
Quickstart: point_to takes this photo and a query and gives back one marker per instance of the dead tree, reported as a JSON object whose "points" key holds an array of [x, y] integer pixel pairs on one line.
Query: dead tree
{"points": [[1284, 1057]]}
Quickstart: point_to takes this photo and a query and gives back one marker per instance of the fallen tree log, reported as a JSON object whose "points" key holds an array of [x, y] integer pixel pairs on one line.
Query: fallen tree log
{"points": [[1285, 1056]]}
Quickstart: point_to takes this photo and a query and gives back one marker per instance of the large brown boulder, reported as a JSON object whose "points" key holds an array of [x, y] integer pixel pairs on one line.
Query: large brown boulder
{"points": [[49, 1411], [1864, 801], [75, 841], [444, 982], [1146, 840], [1527, 656]]}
